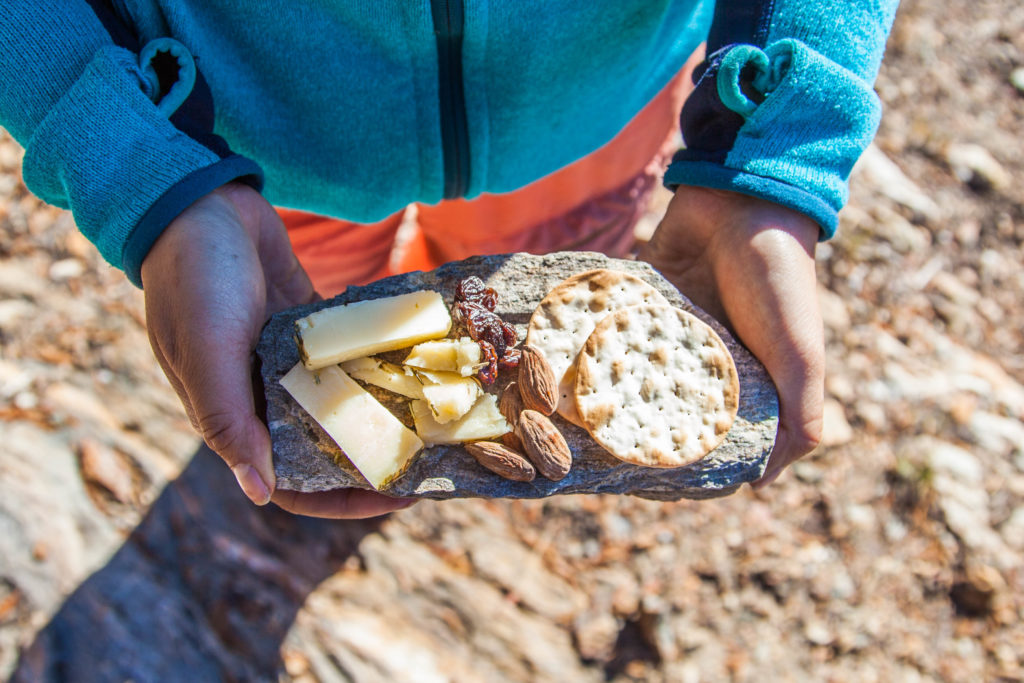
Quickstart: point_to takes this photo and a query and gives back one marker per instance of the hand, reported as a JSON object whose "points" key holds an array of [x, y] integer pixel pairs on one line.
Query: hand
{"points": [[750, 264], [212, 279]]}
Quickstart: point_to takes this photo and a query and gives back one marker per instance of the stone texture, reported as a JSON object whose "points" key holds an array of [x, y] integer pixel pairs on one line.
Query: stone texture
{"points": [[307, 460]]}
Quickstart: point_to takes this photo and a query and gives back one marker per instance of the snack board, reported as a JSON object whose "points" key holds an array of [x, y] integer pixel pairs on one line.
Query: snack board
{"points": [[307, 459]]}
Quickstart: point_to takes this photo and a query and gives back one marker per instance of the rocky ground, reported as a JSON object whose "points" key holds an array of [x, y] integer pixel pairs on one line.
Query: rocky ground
{"points": [[895, 552]]}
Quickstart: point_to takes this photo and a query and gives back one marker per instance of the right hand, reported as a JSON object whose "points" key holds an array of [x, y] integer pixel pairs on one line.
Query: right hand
{"points": [[750, 263], [211, 280]]}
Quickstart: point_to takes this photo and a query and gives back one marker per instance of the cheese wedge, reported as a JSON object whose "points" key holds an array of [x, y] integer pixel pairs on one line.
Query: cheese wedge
{"points": [[483, 421], [451, 355], [363, 328], [376, 442], [449, 394], [384, 375]]}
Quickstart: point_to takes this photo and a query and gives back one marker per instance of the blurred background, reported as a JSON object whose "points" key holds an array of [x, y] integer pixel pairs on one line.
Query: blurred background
{"points": [[894, 553]]}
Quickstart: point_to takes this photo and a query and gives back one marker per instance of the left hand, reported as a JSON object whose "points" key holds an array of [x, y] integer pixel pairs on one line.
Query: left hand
{"points": [[212, 279], [750, 264]]}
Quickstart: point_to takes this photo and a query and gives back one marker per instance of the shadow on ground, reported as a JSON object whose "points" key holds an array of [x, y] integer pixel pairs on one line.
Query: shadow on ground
{"points": [[206, 588]]}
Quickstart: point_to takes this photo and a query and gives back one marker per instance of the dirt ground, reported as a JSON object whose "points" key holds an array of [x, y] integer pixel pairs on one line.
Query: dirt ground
{"points": [[894, 553]]}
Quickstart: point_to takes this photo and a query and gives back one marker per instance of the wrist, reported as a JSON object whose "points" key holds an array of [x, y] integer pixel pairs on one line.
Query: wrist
{"points": [[721, 217]]}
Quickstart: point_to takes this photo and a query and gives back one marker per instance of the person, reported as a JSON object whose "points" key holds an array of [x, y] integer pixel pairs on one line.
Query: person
{"points": [[171, 128]]}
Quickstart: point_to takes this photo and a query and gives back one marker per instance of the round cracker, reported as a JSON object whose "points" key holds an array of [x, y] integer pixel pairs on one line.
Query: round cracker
{"points": [[656, 386], [567, 315]]}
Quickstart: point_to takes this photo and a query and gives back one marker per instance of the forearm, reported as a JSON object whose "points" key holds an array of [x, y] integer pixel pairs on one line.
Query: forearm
{"points": [[102, 137]]}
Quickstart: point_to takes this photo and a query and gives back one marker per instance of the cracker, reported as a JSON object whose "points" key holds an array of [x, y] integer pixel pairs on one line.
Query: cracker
{"points": [[656, 386], [568, 314]]}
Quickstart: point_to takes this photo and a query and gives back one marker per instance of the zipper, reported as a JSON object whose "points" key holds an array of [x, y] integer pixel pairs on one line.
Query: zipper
{"points": [[448, 17]]}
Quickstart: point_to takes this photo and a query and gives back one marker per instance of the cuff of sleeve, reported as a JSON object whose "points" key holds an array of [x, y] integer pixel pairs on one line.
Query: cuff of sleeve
{"points": [[708, 174], [800, 135], [178, 198]]}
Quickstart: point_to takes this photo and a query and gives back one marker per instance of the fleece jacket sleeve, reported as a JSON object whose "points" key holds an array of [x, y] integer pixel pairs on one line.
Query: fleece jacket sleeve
{"points": [[120, 134], [784, 104]]}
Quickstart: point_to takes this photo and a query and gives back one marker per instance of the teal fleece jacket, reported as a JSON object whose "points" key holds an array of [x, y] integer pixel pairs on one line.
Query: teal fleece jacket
{"points": [[130, 110]]}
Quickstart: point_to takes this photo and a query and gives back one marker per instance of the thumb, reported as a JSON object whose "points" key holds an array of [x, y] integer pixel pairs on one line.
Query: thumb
{"points": [[800, 383], [770, 292], [224, 408], [784, 330], [205, 304]]}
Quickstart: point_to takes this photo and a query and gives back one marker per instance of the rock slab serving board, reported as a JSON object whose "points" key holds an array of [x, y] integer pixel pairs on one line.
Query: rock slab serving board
{"points": [[306, 459]]}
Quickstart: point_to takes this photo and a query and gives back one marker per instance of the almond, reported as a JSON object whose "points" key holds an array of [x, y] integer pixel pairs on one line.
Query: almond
{"points": [[544, 444], [502, 460], [511, 404], [537, 384], [512, 441]]}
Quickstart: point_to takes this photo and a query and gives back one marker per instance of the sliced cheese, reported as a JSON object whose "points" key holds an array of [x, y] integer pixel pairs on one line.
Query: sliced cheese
{"points": [[483, 421], [363, 328], [384, 375], [449, 394], [376, 442], [468, 357], [450, 355]]}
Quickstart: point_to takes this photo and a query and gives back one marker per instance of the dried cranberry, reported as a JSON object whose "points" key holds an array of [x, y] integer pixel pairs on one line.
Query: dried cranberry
{"points": [[510, 361], [474, 310], [493, 334], [482, 325], [489, 372], [461, 312], [470, 289], [465, 312], [489, 299], [509, 334]]}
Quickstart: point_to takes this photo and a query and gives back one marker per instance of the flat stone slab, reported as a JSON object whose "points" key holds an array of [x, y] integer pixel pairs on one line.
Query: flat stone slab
{"points": [[306, 459]]}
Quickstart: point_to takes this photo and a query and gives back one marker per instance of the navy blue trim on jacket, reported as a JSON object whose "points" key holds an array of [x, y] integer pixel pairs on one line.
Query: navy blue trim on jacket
{"points": [[178, 198]]}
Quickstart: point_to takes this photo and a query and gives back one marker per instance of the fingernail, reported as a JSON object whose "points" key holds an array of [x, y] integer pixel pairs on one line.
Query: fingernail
{"points": [[252, 484]]}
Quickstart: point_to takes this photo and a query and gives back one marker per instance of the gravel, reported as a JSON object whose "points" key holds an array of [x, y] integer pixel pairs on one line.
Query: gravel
{"points": [[896, 552]]}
